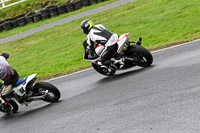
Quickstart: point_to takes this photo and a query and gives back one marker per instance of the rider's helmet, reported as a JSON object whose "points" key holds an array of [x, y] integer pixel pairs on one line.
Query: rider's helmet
{"points": [[86, 26]]}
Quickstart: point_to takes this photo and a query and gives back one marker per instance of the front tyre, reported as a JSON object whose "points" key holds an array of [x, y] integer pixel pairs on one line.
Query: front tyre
{"points": [[12, 106], [41, 88], [103, 70], [140, 56]]}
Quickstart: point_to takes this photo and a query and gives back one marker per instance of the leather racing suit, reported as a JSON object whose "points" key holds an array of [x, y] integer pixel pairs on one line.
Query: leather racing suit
{"points": [[8, 75], [99, 35]]}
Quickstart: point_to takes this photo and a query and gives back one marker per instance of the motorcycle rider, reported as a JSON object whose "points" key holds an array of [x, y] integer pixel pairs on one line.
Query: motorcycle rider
{"points": [[98, 34], [8, 75]]}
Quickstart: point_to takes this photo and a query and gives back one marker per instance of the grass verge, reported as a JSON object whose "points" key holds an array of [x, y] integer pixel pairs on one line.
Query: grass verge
{"points": [[26, 6], [59, 51], [46, 21]]}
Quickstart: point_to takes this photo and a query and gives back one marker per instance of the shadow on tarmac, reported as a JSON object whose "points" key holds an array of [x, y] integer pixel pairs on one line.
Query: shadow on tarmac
{"points": [[123, 74], [30, 112]]}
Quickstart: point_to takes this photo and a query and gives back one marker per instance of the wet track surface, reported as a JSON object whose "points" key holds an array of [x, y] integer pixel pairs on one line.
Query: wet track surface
{"points": [[162, 98]]}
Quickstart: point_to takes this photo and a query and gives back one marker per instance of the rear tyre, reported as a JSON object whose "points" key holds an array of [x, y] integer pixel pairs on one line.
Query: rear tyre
{"points": [[141, 56], [53, 93], [104, 71]]}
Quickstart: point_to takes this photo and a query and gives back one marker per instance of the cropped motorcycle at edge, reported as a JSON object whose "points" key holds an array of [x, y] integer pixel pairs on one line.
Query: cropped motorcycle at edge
{"points": [[25, 91], [126, 56]]}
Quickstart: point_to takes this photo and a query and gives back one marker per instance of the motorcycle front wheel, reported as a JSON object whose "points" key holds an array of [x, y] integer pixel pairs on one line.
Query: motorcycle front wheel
{"points": [[53, 94], [103, 70], [12, 105]]}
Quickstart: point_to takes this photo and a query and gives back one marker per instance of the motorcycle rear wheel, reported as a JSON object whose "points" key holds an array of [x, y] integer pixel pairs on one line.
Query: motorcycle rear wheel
{"points": [[141, 56], [53, 92], [104, 71]]}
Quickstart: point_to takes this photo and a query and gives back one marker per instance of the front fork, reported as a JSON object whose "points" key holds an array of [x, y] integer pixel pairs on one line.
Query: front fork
{"points": [[5, 107], [3, 103]]}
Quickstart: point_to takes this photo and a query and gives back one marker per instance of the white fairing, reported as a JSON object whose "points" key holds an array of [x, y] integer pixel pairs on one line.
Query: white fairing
{"points": [[112, 40], [122, 41], [20, 90], [100, 48]]}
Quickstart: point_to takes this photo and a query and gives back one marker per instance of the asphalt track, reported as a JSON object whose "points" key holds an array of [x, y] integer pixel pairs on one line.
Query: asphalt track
{"points": [[65, 20], [163, 98]]}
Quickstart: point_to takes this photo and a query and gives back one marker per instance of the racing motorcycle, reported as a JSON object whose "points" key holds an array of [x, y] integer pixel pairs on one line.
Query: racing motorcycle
{"points": [[25, 91], [126, 56]]}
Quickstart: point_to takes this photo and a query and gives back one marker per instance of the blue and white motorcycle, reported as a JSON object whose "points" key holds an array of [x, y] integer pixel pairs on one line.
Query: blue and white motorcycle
{"points": [[26, 90]]}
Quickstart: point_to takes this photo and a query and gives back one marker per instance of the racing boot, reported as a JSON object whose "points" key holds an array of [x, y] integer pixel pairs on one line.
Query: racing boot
{"points": [[1, 100]]}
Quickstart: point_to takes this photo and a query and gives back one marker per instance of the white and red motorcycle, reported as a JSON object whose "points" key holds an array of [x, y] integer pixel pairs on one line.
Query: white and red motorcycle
{"points": [[25, 91], [126, 56]]}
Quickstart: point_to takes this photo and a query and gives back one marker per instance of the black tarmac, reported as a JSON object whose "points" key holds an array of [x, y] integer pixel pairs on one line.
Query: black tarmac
{"points": [[163, 98]]}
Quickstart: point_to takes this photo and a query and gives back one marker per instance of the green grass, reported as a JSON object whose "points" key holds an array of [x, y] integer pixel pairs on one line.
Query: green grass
{"points": [[46, 21], [59, 50], [25, 7]]}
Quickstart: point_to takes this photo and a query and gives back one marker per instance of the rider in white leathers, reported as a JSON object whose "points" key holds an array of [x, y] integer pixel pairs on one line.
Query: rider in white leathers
{"points": [[98, 34]]}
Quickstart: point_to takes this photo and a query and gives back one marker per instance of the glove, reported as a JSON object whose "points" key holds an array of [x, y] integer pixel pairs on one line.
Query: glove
{"points": [[86, 50]]}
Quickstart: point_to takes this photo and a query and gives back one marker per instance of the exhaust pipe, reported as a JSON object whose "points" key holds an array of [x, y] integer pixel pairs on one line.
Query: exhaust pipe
{"points": [[139, 41]]}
